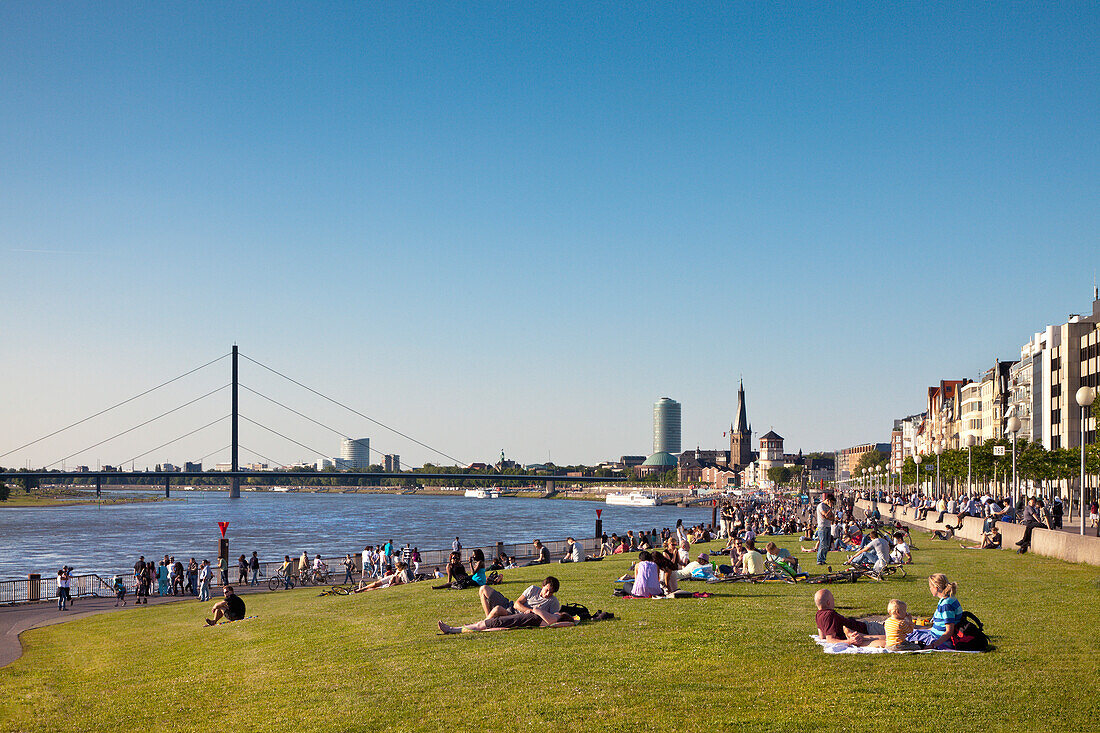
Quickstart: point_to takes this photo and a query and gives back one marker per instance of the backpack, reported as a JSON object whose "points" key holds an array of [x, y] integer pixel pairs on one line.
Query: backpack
{"points": [[576, 610], [969, 634]]}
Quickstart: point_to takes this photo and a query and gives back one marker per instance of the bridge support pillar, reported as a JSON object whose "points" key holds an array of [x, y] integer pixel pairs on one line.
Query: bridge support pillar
{"points": [[551, 487], [98, 486], [167, 489], [234, 488]]}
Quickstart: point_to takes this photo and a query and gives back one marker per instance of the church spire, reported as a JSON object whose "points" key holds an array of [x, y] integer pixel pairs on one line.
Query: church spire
{"points": [[742, 416]]}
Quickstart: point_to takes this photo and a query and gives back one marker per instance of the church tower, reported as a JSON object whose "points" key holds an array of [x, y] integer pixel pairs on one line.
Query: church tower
{"points": [[741, 435]]}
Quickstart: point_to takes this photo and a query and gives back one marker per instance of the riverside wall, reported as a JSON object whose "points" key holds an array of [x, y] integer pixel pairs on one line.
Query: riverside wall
{"points": [[1046, 542]]}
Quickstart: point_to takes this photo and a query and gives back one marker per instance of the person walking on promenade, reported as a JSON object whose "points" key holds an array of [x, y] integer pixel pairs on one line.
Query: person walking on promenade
{"points": [[63, 585], [223, 570], [162, 577], [177, 576], [456, 546], [349, 568], [242, 570], [254, 566], [368, 561], [303, 565], [387, 552], [150, 578], [288, 572], [206, 573], [825, 518], [141, 582], [193, 577]]}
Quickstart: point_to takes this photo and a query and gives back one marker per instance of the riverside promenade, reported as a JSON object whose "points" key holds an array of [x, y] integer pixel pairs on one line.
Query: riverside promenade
{"points": [[1063, 544]]}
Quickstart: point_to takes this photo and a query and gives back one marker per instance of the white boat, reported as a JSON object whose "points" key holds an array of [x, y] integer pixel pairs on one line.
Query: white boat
{"points": [[482, 493], [634, 498]]}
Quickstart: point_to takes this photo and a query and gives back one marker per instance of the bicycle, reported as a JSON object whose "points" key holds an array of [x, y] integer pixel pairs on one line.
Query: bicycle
{"points": [[336, 590], [279, 580], [844, 576]]}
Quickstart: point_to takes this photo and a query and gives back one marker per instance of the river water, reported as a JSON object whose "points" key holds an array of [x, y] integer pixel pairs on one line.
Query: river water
{"points": [[107, 539]]}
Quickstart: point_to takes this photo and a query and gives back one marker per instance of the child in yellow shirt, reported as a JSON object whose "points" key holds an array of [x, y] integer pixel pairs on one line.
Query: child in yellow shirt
{"points": [[898, 624]]}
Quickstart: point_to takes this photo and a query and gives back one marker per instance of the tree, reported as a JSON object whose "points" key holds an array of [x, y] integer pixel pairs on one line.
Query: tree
{"points": [[779, 475], [870, 459]]}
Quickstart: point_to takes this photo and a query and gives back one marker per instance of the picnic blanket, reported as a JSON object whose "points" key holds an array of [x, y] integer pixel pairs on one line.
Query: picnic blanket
{"points": [[676, 595], [844, 648]]}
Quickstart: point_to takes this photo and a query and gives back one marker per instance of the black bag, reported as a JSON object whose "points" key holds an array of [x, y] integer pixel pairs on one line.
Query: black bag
{"points": [[969, 634], [577, 610]]}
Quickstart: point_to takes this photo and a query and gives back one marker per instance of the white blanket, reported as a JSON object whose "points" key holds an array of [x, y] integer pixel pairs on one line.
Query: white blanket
{"points": [[845, 648]]}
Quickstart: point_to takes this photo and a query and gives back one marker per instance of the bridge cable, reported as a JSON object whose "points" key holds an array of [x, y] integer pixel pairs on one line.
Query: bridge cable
{"points": [[260, 455], [120, 404], [130, 430], [185, 435], [352, 409], [211, 453], [341, 433], [285, 437]]}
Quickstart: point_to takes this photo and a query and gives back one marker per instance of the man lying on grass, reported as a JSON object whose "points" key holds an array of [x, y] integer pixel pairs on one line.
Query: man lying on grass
{"points": [[500, 621]]}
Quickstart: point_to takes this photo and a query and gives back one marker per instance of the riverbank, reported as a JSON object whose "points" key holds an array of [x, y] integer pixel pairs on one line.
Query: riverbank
{"points": [[323, 652], [36, 500]]}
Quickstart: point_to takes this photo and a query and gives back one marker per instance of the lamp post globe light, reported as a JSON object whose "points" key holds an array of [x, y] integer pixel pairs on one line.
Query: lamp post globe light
{"points": [[1085, 397], [970, 441], [1013, 427]]}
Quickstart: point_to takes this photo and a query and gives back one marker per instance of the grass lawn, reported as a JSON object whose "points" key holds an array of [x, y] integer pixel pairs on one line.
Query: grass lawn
{"points": [[739, 660]]}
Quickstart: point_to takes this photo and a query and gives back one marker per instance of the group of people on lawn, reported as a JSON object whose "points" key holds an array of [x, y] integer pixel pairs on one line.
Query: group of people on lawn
{"points": [[899, 632]]}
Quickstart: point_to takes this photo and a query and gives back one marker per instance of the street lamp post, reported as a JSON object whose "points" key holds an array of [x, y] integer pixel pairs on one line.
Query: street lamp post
{"points": [[917, 460], [969, 465], [939, 484], [1085, 398], [1014, 428]]}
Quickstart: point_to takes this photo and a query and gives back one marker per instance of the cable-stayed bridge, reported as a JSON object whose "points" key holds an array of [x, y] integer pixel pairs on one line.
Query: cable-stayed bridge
{"points": [[234, 417]]}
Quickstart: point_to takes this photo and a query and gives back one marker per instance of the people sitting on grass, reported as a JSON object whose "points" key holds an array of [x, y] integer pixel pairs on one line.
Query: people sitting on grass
{"points": [[836, 629], [991, 540], [898, 625], [943, 534], [781, 556], [902, 554], [505, 622], [944, 621], [542, 554], [231, 607], [643, 581], [457, 577], [536, 597], [752, 562], [402, 574], [666, 570], [699, 568], [875, 554], [572, 551]]}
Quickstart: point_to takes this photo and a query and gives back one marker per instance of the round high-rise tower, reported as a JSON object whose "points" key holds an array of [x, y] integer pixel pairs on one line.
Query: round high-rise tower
{"points": [[355, 453], [666, 426]]}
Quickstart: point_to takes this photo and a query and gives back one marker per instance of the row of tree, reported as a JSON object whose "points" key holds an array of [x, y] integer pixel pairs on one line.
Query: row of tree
{"points": [[1033, 463]]}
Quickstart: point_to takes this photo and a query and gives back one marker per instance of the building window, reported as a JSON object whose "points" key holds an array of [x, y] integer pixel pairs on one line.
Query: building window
{"points": [[1055, 416], [1055, 364], [1056, 390], [1056, 442]]}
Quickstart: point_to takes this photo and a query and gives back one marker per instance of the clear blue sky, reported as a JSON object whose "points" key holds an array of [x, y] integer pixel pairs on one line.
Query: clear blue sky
{"points": [[511, 226]]}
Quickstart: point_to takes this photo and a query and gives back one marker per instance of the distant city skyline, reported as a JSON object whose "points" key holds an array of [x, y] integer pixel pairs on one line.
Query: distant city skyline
{"points": [[516, 227]]}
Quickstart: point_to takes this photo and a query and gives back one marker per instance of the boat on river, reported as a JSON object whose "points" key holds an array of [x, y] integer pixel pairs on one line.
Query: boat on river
{"points": [[634, 498], [482, 493]]}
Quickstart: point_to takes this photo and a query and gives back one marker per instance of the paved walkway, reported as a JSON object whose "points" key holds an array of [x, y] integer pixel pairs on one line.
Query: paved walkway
{"points": [[16, 619]]}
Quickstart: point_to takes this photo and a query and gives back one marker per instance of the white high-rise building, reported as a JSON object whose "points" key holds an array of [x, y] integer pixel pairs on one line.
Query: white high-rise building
{"points": [[354, 453], [666, 426]]}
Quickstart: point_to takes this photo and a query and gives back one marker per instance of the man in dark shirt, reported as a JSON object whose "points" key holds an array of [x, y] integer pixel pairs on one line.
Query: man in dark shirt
{"points": [[1031, 520], [231, 606], [834, 628]]}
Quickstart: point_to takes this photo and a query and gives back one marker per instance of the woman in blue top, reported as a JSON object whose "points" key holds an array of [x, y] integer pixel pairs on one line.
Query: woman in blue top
{"points": [[946, 618]]}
